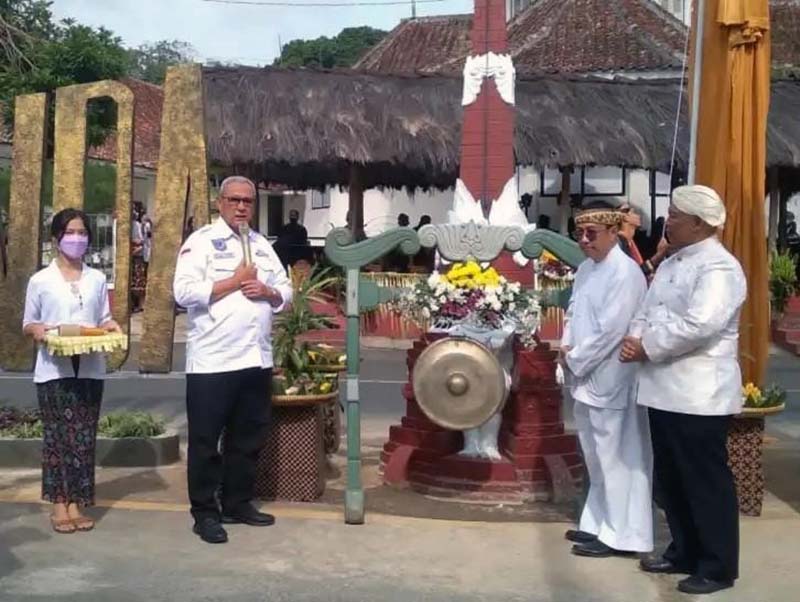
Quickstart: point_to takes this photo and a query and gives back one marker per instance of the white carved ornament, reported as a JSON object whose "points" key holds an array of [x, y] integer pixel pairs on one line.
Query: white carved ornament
{"points": [[499, 67], [460, 242], [505, 211]]}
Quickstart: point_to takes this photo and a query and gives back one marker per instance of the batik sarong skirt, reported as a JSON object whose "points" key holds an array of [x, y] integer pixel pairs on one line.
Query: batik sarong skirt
{"points": [[70, 410]]}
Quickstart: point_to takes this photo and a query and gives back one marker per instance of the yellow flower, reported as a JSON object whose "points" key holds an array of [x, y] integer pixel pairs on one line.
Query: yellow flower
{"points": [[325, 388]]}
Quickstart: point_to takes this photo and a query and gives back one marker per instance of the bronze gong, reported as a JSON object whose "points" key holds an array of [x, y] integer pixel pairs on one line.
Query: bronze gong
{"points": [[459, 383]]}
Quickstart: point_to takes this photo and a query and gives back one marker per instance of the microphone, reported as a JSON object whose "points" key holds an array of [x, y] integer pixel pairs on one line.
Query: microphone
{"points": [[244, 235]]}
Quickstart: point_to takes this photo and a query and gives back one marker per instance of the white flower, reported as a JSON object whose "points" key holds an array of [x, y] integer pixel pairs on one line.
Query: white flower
{"points": [[442, 299]]}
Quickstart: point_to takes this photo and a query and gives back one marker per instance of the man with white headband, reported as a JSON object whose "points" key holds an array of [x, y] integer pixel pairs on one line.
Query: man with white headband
{"points": [[609, 288], [686, 340]]}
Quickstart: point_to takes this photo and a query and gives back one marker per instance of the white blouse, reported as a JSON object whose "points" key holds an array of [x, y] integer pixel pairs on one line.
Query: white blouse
{"points": [[53, 301]]}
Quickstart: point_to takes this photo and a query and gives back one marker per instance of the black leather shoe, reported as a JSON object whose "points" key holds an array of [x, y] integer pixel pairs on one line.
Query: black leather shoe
{"points": [[249, 516], [700, 585], [594, 549], [659, 564], [576, 536], [210, 530]]}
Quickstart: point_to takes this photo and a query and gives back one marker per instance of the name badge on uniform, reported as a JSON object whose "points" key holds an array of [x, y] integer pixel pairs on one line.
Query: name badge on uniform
{"points": [[260, 253], [228, 255], [220, 244]]}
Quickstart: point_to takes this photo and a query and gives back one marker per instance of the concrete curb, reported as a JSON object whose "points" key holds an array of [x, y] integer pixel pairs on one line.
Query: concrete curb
{"points": [[131, 452]]}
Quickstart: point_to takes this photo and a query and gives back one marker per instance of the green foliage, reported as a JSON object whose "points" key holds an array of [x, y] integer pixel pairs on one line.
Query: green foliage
{"points": [[50, 55], [24, 430], [119, 425], [299, 317], [101, 187], [27, 424], [149, 62], [340, 51], [782, 279]]}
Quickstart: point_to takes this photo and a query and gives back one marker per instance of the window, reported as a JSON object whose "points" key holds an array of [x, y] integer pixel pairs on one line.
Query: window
{"points": [[320, 200], [603, 181], [551, 182], [588, 181]]}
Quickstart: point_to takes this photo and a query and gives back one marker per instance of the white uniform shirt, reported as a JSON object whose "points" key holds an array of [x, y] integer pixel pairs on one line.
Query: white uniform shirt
{"points": [[53, 301], [689, 326], [605, 298], [233, 333]]}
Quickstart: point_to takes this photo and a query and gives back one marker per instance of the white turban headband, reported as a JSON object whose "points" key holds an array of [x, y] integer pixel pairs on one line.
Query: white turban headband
{"points": [[701, 201]]}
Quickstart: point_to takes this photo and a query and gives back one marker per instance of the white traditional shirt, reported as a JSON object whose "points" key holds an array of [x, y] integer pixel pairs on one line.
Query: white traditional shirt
{"points": [[233, 333], [605, 298], [689, 325], [53, 301]]}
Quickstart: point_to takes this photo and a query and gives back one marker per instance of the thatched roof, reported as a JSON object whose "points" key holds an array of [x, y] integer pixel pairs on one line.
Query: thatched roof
{"points": [[305, 128]]}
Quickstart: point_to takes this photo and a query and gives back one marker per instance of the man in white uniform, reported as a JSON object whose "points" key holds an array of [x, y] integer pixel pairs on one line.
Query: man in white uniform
{"points": [[686, 341], [228, 359], [609, 288]]}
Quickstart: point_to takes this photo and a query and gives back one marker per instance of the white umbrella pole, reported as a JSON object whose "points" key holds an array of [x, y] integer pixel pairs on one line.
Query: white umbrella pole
{"points": [[696, 85]]}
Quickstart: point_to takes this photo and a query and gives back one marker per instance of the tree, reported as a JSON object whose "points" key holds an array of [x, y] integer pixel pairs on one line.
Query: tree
{"points": [[149, 62], [57, 54], [341, 51]]}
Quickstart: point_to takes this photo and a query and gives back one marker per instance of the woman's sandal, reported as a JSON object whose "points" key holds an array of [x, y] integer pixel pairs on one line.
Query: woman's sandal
{"points": [[63, 525], [83, 524]]}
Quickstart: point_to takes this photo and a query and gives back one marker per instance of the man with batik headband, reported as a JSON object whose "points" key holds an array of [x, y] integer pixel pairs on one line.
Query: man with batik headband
{"points": [[609, 288], [685, 339]]}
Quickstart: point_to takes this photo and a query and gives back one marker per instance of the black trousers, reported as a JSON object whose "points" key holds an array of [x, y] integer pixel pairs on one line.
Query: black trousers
{"points": [[696, 490], [238, 403]]}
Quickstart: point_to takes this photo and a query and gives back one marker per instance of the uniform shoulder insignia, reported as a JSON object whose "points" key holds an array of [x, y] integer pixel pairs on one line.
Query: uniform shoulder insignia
{"points": [[205, 228]]}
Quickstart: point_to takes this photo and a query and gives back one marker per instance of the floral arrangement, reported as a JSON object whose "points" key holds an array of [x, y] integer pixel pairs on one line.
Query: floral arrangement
{"points": [[477, 296], [772, 397], [549, 267]]}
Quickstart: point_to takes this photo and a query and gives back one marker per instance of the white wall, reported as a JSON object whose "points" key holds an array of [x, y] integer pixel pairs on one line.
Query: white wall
{"points": [[381, 207]]}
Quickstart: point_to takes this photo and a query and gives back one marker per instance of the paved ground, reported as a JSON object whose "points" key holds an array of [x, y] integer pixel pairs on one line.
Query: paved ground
{"points": [[143, 550]]}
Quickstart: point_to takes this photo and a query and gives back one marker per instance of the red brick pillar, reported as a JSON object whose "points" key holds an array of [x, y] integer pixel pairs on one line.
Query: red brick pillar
{"points": [[533, 436]]}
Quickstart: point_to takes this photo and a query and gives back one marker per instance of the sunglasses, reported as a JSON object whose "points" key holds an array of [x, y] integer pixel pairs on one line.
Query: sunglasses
{"points": [[589, 233]]}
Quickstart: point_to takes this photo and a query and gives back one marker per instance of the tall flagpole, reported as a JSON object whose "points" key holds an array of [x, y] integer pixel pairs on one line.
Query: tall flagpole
{"points": [[697, 80]]}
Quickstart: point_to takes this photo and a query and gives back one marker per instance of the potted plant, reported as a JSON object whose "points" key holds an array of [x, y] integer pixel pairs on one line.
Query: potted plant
{"points": [[312, 364], [746, 442], [782, 281]]}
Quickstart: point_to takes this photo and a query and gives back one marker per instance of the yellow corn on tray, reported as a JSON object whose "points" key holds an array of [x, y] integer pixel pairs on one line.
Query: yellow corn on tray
{"points": [[58, 345]]}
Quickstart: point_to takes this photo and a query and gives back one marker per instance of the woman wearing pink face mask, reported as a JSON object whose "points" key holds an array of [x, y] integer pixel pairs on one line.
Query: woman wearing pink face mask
{"points": [[70, 390]]}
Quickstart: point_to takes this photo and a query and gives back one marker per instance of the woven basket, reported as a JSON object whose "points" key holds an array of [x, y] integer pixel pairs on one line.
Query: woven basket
{"points": [[330, 368], [757, 412], [304, 400]]}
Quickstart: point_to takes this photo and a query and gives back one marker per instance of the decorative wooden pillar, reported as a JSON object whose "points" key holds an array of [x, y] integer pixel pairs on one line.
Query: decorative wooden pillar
{"points": [[487, 191]]}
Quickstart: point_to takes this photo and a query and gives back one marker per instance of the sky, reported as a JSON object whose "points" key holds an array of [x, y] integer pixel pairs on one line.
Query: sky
{"points": [[244, 34]]}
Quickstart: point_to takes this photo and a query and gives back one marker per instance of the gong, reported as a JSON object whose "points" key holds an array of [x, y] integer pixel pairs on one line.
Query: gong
{"points": [[459, 383]]}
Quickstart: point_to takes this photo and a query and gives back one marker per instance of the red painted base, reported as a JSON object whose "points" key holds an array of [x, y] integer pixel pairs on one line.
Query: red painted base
{"points": [[532, 439]]}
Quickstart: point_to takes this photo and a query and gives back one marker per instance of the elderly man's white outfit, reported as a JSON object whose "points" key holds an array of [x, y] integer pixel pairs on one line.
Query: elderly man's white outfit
{"points": [[612, 429], [689, 327], [228, 366]]}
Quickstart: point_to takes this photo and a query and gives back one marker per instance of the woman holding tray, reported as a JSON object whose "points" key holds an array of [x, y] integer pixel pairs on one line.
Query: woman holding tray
{"points": [[69, 389]]}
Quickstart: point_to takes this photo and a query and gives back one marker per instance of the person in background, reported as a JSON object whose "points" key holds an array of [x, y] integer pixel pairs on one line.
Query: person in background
{"points": [[228, 359], [147, 239], [3, 243], [292, 240], [138, 264], [543, 223], [69, 390], [685, 339], [426, 257], [397, 261]]}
